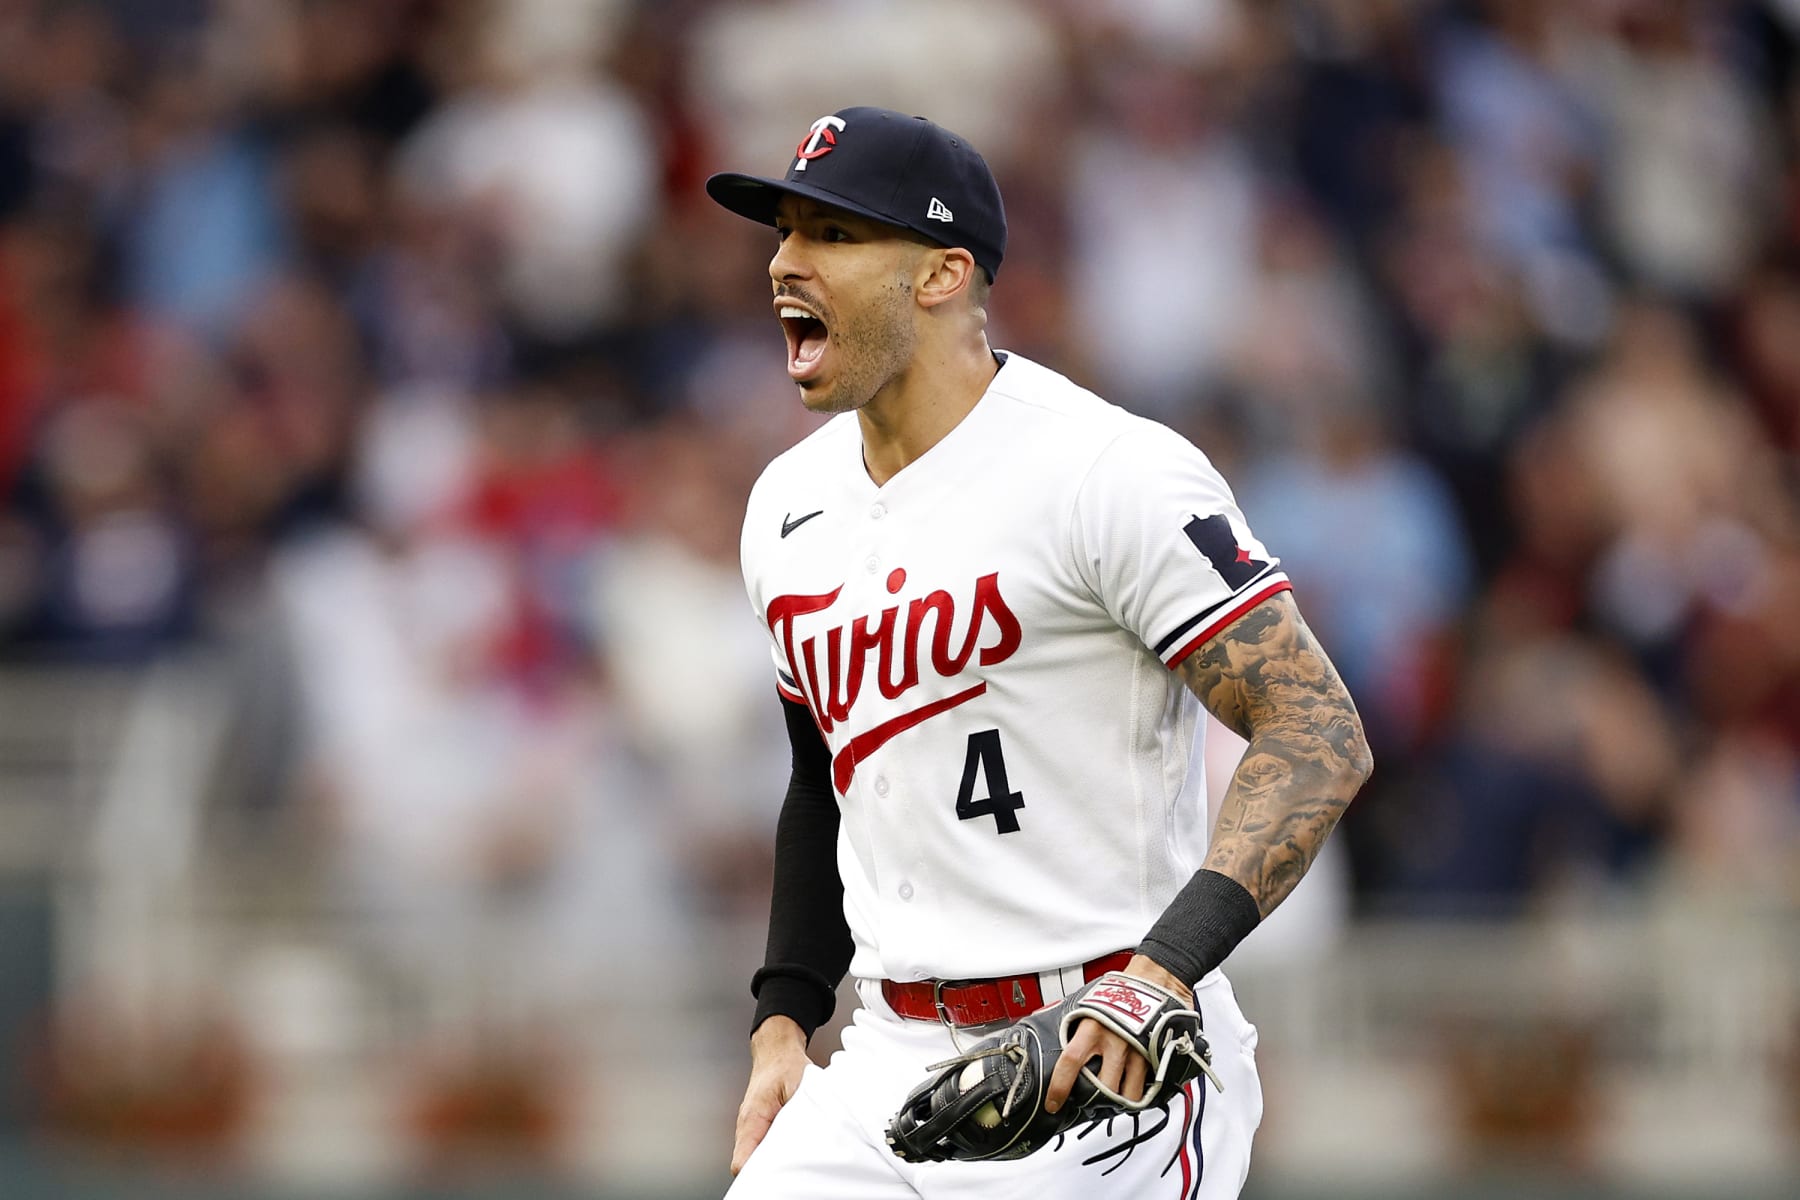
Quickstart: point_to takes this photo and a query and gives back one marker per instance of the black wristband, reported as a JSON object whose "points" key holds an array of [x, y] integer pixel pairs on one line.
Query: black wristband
{"points": [[792, 991], [1209, 916]]}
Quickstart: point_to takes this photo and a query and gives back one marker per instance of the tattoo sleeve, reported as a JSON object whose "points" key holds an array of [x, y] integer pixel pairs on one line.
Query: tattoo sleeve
{"points": [[1266, 677]]}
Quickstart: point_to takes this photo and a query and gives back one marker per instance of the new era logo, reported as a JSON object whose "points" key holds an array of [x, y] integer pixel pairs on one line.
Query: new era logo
{"points": [[938, 212]]}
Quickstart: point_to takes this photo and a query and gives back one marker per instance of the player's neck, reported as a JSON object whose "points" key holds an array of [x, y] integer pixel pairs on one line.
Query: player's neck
{"points": [[919, 409]]}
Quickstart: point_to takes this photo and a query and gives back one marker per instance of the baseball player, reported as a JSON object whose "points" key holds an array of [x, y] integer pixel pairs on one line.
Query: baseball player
{"points": [[996, 605]]}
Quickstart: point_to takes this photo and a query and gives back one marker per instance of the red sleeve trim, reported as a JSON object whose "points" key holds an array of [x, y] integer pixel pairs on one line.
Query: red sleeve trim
{"points": [[788, 693], [1236, 611]]}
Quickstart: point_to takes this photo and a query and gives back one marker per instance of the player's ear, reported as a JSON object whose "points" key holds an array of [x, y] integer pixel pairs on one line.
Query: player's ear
{"points": [[945, 274]]}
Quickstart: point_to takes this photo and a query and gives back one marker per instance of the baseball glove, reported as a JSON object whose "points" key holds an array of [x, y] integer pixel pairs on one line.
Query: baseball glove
{"points": [[989, 1102]]}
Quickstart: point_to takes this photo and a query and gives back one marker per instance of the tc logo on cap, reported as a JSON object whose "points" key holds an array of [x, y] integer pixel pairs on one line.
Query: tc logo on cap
{"points": [[818, 143]]}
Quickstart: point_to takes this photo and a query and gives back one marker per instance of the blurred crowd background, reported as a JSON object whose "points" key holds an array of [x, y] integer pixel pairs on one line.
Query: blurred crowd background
{"points": [[391, 757]]}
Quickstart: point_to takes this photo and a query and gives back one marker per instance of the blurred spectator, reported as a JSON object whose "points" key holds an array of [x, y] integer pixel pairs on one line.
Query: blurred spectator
{"points": [[481, 810], [77, 152], [1308, 345], [668, 603], [1688, 171], [117, 567], [1555, 778], [201, 227], [1527, 145], [1688, 492], [1371, 539], [551, 161], [1351, 512], [1477, 369], [1160, 176], [1371, 536], [1359, 96]]}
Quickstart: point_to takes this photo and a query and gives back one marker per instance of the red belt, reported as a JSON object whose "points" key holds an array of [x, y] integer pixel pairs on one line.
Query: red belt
{"points": [[983, 1001]]}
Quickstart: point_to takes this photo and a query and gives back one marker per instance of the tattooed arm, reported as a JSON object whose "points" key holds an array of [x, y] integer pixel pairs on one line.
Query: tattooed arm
{"points": [[1266, 677]]}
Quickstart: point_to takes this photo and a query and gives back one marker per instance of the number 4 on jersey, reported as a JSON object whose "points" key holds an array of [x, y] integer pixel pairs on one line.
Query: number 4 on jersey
{"points": [[1001, 801]]}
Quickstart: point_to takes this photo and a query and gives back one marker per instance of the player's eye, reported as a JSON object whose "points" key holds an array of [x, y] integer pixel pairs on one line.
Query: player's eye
{"points": [[834, 233], [781, 233]]}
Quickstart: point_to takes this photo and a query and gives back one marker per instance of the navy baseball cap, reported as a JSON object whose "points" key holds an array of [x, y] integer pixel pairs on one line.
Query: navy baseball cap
{"points": [[888, 167]]}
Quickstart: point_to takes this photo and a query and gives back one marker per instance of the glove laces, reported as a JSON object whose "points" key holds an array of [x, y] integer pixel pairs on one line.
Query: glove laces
{"points": [[1010, 1050], [1139, 1134]]}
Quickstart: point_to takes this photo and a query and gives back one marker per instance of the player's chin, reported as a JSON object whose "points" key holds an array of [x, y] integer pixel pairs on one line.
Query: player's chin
{"points": [[821, 398]]}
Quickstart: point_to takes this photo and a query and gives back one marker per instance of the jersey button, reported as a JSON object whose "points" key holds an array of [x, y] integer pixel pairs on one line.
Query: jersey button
{"points": [[873, 565], [906, 891], [881, 785], [877, 511]]}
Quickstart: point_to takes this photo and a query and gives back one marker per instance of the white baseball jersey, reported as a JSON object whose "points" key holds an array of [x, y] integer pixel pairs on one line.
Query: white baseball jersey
{"points": [[986, 642]]}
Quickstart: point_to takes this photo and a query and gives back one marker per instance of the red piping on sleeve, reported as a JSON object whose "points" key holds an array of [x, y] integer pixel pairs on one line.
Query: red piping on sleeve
{"points": [[1205, 635]]}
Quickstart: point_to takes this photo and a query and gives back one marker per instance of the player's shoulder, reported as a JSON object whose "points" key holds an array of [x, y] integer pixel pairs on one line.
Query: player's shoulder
{"points": [[1031, 390], [1092, 426], [1063, 423]]}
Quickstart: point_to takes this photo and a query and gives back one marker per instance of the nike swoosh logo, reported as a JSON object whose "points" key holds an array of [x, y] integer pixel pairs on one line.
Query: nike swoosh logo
{"points": [[788, 526]]}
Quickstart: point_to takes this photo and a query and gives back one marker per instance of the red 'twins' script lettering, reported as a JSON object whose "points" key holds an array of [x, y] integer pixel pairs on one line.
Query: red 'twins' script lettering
{"points": [[845, 655]]}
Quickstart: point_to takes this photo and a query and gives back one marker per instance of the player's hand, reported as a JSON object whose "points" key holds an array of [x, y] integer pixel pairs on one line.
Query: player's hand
{"points": [[777, 1061], [1121, 1068]]}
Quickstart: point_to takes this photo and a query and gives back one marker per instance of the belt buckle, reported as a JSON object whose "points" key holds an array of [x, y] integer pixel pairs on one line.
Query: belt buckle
{"points": [[937, 1001], [943, 1011]]}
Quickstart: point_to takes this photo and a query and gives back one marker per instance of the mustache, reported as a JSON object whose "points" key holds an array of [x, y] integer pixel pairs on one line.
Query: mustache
{"points": [[785, 292]]}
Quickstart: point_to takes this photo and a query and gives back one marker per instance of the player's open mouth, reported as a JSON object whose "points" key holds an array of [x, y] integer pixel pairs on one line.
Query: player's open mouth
{"points": [[807, 338]]}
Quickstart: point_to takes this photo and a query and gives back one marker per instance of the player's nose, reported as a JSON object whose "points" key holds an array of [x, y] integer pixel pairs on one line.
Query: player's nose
{"points": [[790, 261]]}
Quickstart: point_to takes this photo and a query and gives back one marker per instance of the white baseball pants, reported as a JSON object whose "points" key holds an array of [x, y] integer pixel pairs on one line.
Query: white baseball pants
{"points": [[827, 1143]]}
